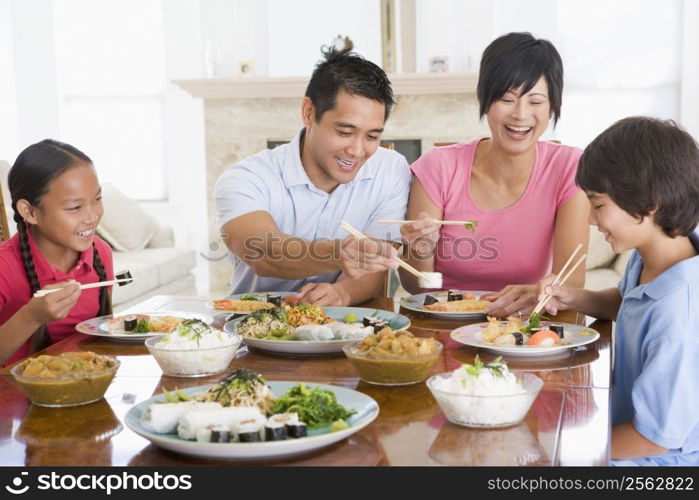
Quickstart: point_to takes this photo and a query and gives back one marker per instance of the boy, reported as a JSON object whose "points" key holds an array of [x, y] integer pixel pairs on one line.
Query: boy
{"points": [[642, 178]]}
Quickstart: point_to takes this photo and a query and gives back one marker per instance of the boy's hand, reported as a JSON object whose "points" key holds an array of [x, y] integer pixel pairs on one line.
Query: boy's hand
{"points": [[562, 297], [56, 305]]}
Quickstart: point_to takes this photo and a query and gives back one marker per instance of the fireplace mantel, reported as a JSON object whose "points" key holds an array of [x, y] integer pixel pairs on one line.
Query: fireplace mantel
{"points": [[253, 88]]}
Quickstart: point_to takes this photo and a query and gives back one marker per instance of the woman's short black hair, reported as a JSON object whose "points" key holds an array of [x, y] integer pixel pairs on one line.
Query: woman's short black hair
{"points": [[518, 60], [352, 73], [646, 164]]}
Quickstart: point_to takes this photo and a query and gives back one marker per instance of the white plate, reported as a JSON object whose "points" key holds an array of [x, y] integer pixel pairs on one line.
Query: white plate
{"points": [[98, 326], [574, 336], [236, 296], [415, 303], [395, 321], [367, 410]]}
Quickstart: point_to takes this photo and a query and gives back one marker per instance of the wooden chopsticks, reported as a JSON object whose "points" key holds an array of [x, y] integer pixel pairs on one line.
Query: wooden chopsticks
{"points": [[348, 227], [559, 280], [442, 222], [42, 293]]}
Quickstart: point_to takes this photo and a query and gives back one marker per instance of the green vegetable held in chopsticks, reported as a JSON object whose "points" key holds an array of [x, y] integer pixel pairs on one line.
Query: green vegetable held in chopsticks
{"points": [[471, 226]]}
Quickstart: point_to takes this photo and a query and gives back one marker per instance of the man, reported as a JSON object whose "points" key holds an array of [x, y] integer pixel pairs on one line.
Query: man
{"points": [[280, 210]]}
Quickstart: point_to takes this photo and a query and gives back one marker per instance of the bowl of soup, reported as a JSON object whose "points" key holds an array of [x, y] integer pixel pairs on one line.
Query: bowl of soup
{"points": [[69, 379]]}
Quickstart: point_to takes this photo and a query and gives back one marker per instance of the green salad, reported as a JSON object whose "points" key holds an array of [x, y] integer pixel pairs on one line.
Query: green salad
{"points": [[315, 406]]}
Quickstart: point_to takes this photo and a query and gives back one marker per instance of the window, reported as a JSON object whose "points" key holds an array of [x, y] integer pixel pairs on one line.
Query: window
{"points": [[110, 68]]}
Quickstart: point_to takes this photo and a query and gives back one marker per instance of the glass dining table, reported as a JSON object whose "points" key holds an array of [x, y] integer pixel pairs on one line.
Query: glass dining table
{"points": [[568, 424]]}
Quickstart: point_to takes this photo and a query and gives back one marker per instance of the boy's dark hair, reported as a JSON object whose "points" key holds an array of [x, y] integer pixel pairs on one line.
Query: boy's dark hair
{"points": [[518, 60], [645, 164], [29, 179], [352, 73]]}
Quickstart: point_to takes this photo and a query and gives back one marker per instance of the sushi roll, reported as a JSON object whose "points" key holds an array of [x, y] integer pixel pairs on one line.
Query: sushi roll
{"points": [[297, 430], [544, 338], [453, 295], [376, 323], [430, 299], [558, 330], [275, 430], [130, 322], [249, 431], [214, 434], [220, 434], [313, 332], [274, 298], [430, 280]]}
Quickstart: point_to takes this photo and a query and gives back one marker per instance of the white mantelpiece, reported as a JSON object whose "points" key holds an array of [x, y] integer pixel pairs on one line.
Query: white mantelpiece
{"points": [[242, 114], [253, 88]]}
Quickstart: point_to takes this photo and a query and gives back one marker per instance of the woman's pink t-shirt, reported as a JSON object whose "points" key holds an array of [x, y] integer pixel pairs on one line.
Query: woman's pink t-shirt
{"points": [[509, 246], [15, 291]]}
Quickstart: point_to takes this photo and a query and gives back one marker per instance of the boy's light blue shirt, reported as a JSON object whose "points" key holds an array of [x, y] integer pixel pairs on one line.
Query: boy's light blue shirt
{"points": [[275, 181], [656, 365]]}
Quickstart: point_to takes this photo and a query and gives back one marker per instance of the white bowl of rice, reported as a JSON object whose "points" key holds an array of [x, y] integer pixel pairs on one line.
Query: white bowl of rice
{"points": [[485, 397], [194, 349]]}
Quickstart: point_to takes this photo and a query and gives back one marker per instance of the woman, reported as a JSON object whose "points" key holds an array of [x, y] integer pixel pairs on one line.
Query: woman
{"points": [[520, 190]]}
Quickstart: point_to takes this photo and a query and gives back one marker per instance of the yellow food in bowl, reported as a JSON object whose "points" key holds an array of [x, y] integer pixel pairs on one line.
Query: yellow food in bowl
{"points": [[69, 379], [393, 358]]}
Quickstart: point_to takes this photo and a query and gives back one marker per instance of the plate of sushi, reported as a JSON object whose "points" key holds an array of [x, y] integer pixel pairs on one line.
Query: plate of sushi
{"points": [[245, 303], [520, 337], [309, 329], [138, 327], [452, 304], [245, 417]]}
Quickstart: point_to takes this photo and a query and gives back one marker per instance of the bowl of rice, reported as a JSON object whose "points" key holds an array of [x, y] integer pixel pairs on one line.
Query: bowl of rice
{"points": [[194, 349], [485, 394]]}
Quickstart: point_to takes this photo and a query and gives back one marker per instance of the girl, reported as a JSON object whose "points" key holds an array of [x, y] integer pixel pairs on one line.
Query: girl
{"points": [[57, 204]]}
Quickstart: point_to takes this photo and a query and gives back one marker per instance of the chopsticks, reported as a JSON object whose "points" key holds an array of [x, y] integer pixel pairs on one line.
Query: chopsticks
{"points": [[42, 293], [567, 275], [348, 227], [442, 222]]}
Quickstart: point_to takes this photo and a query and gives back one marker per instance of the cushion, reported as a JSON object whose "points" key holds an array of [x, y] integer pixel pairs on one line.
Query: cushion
{"points": [[125, 225], [599, 253]]}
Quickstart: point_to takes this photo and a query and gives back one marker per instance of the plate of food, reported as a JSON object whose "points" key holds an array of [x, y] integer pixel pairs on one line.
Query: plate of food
{"points": [[244, 417], [245, 303], [452, 304], [309, 329], [519, 337], [138, 327]]}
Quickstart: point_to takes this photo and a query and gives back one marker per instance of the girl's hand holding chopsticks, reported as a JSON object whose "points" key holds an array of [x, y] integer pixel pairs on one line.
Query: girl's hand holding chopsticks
{"points": [[54, 306]]}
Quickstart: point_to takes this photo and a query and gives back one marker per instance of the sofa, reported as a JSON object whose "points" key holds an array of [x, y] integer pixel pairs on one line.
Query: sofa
{"points": [[139, 244], [604, 267]]}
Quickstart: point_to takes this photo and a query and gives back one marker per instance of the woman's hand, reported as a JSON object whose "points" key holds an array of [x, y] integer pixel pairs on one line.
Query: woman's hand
{"points": [[54, 306], [359, 257], [420, 237], [513, 300], [562, 297], [323, 294]]}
